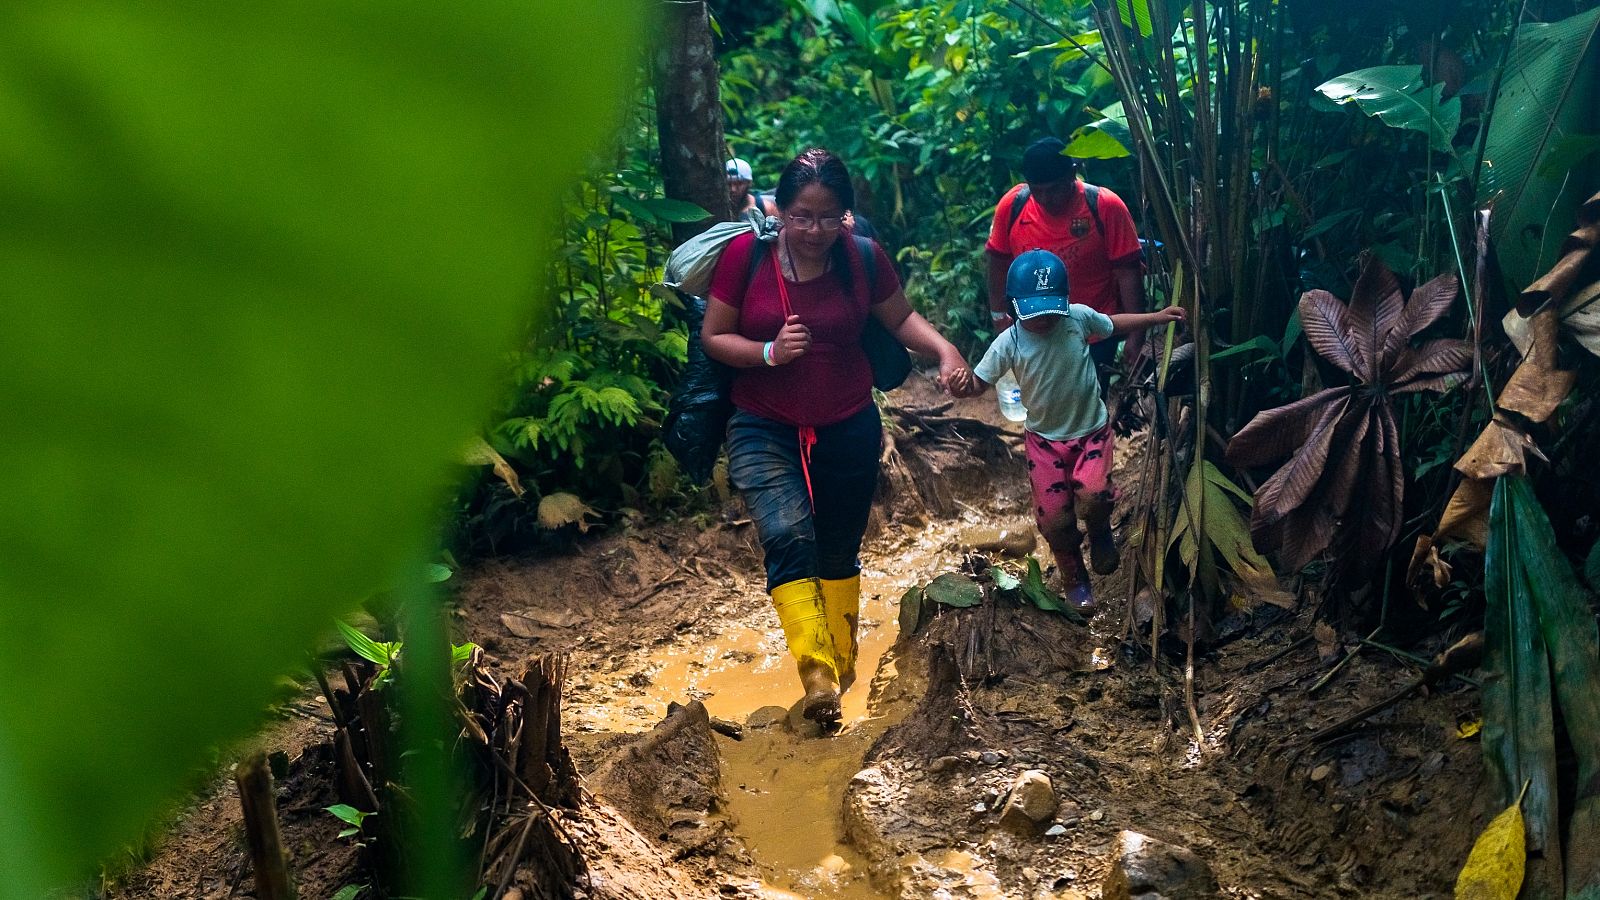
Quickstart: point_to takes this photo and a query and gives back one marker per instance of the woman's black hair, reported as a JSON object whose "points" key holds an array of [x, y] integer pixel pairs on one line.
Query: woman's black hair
{"points": [[818, 166]]}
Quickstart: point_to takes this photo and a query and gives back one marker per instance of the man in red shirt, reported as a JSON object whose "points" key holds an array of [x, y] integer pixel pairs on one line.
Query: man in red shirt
{"points": [[1099, 245]]}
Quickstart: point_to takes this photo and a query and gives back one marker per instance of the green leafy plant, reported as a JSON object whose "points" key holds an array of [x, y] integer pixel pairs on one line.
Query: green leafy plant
{"points": [[352, 817], [384, 653], [1399, 97]]}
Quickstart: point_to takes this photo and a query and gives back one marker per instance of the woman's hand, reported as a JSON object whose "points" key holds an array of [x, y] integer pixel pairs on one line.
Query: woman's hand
{"points": [[954, 376], [792, 342], [1170, 314]]}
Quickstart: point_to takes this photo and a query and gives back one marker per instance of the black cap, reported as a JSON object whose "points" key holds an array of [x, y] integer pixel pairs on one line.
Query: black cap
{"points": [[1043, 162]]}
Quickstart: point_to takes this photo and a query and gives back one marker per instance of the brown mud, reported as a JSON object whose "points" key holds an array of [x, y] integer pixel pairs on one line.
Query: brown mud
{"points": [[904, 800]]}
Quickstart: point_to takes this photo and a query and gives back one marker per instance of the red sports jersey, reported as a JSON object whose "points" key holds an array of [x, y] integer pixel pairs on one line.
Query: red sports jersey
{"points": [[1090, 255]]}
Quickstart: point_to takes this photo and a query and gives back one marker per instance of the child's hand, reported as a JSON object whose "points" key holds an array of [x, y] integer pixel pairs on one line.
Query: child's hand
{"points": [[955, 378], [1170, 314]]}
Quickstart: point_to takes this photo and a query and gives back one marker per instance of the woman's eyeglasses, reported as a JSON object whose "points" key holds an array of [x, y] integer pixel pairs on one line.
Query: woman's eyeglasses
{"points": [[805, 222]]}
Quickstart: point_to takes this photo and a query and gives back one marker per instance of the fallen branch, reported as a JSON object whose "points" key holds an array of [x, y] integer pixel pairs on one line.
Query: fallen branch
{"points": [[1264, 663], [1462, 655], [1339, 666]]}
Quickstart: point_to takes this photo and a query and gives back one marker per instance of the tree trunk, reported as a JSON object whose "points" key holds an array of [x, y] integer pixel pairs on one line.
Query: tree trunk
{"points": [[689, 114]]}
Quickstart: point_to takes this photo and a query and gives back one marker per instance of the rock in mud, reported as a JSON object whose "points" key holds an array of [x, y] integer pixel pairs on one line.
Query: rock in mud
{"points": [[1033, 801], [1012, 540], [766, 717], [1143, 868]]}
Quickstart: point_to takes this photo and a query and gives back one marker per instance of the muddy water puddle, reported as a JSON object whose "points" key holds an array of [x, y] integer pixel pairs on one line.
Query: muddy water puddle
{"points": [[785, 785]]}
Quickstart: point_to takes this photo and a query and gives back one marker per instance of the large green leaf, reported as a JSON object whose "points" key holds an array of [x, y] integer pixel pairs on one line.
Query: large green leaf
{"points": [[1135, 14], [1547, 93], [1518, 714], [240, 243], [1566, 622], [1400, 99], [1107, 137]]}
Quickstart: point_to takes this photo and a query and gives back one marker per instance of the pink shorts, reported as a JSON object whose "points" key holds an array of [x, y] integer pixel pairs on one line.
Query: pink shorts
{"points": [[1063, 471]]}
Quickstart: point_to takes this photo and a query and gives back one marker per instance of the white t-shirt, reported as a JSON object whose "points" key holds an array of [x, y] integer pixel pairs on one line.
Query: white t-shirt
{"points": [[1059, 385]]}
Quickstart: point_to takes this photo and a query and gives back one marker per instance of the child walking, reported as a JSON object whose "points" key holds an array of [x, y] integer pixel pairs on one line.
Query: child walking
{"points": [[1069, 439]]}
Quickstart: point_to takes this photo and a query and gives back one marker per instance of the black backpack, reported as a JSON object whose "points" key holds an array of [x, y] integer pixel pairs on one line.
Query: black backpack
{"points": [[1091, 194], [698, 412], [891, 362]]}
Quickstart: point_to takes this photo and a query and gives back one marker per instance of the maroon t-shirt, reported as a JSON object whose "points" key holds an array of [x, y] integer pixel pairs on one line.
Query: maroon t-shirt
{"points": [[833, 380]]}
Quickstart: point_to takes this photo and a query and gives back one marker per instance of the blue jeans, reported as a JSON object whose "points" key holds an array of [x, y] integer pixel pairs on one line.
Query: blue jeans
{"points": [[797, 540]]}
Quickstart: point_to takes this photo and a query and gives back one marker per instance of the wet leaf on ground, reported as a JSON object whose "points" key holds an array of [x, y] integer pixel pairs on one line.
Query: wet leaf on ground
{"points": [[955, 590], [1033, 587]]}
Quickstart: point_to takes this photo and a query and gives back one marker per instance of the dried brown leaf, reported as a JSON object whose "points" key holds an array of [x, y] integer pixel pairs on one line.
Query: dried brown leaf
{"points": [[1290, 485], [1276, 433], [1565, 275], [1437, 357], [1466, 516], [1538, 387], [1323, 322], [1499, 450], [1375, 307], [1426, 305]]}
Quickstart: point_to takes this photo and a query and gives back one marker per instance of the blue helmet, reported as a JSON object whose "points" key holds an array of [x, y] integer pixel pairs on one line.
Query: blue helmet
{"points": [[1036, 284]]}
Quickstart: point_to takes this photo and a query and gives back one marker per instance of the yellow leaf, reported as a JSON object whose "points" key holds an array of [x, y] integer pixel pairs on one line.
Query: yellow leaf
{"points": [[1467, 730], [556, 510], [1494, 869], [479, 453]]}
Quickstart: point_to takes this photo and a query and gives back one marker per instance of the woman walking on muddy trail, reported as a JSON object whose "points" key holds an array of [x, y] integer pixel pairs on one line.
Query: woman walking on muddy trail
{"points": [[804, 440]]}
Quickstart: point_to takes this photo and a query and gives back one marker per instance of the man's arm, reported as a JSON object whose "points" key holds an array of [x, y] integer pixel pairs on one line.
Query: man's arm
{"points": [[999, 264], [1130, 300]]}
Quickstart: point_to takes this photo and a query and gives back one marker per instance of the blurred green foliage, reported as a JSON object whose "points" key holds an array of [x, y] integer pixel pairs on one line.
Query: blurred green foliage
{"points": [[259, 265]]}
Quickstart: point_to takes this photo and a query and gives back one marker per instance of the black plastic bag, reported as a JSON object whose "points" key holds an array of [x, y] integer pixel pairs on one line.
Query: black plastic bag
{"points": [[891, 361], [698, 413]]}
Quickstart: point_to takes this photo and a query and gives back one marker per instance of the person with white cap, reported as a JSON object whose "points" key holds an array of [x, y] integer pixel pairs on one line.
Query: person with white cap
{"points": [[746, 203], [1068, 434]]}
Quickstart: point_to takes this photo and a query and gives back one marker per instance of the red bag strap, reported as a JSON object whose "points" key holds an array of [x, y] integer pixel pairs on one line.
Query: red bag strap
{"points": [[808, 435]]}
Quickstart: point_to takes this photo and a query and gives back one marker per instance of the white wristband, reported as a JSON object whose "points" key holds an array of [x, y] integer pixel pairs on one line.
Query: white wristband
{"points": [[996, 315], [766, 354]]}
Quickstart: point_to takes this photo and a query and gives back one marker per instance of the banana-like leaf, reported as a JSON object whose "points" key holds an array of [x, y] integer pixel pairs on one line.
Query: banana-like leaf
{"points": [[1518, 709], [1547, 92], [1224, 530], [1591, 566], [239, 243], [1568, 627], [1397, 96]]}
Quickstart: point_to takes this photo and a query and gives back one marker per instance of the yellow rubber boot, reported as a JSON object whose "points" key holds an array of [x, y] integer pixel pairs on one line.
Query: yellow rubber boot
{"points": [[804, 617], [842, 599]]}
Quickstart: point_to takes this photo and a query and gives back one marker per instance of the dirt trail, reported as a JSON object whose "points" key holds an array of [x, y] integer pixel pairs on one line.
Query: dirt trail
{"points": [[904, 801]]}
